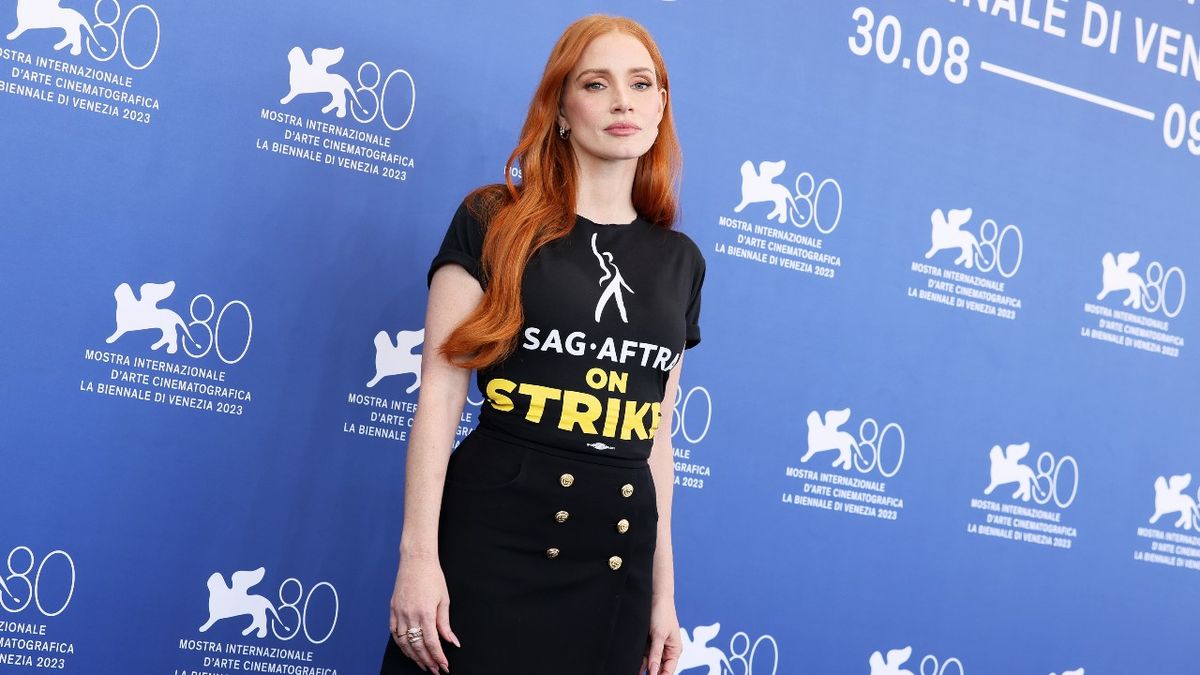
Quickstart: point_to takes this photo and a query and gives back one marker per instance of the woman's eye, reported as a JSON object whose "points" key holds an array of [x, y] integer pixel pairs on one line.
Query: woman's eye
{"points": [[589, 85], [647, 85]]}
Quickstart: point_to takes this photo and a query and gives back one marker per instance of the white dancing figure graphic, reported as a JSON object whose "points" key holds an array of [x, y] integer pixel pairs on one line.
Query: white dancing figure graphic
{"points": [[615, 282]]}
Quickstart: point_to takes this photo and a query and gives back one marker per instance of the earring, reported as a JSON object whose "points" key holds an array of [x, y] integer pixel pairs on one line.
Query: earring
{"points": [[562, 132]]}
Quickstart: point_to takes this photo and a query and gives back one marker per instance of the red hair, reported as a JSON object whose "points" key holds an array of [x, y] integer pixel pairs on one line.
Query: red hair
{"points": [[519, 221]]}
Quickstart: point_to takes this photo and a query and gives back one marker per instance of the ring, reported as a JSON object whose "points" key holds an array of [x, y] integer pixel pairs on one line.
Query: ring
{"points": [[414, 634]]}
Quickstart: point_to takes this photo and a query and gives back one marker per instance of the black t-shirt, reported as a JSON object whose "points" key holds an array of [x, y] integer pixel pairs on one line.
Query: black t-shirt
{"points": [[608, 310]]}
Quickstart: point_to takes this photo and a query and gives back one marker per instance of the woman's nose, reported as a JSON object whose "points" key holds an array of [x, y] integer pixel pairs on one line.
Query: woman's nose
{"points": [[621, 101]]}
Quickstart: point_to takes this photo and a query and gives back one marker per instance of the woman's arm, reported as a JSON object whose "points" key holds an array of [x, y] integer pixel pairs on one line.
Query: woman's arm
{"points": [[453, 295], [662, 467]]}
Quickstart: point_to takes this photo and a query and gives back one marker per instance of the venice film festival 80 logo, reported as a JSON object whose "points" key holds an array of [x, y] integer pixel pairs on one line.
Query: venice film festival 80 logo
{"points": [[1035, 513], [760, 657], [108, 30], [984, 259], [1146, 302], [321, 103], [893, 662], [391, 404], [896, 662], [33, 594], [1175, 539], [876, 454], [192, 381], [806, 203], [691, 419], [307, 614]]}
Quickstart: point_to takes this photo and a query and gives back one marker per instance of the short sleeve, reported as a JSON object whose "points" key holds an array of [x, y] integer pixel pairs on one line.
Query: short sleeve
{"points": [[693, 309], [463, 244]]}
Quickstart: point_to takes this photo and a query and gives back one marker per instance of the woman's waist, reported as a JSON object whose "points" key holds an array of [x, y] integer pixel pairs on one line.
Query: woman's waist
{"points": [[510, 433]]}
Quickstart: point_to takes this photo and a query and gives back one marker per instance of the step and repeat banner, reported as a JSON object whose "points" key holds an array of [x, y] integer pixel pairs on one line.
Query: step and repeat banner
{"points": [[941, 421]]}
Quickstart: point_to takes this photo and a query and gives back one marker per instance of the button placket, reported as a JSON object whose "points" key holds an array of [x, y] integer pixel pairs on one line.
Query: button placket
{"points": [[621, 519], [622, 525], [566, 480]]}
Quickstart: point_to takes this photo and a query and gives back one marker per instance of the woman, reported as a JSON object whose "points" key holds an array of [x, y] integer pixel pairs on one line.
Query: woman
{"points": [[573, 298]]}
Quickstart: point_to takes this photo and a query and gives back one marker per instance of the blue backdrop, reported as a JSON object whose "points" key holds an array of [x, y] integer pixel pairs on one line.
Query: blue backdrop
{"points": [[936, 424]]}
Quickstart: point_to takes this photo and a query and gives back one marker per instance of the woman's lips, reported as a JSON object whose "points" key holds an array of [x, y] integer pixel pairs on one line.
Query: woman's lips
{"points": [[622, 130]]}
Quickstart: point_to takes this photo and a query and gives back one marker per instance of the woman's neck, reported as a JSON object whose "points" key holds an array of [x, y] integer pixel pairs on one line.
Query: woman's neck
{"points": [[605, 193]]}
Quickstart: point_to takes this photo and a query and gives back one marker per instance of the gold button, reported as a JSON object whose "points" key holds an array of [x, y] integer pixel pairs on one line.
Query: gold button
{"points": [[551, 553], [626, 490], [566, 479], [615, 562], [622, 526], [561, 516]]}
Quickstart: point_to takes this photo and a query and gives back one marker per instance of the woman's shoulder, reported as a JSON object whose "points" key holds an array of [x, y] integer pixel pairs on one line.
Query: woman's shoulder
{"points": [[685, 244], [482, 202]]}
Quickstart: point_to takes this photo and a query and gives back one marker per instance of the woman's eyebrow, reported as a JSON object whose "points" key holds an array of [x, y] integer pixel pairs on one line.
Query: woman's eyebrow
{"points": [[606, 71]]}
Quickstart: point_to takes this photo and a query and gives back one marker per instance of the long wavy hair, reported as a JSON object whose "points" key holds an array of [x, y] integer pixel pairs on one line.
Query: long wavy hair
{"points": [[518, 220]]}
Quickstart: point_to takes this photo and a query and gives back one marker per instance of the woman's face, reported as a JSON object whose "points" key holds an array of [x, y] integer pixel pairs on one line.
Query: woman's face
{"points": [[612, 102]]}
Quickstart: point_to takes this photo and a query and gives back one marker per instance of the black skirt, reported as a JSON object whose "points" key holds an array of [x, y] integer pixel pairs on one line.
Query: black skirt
{"points": [[548, 556]]}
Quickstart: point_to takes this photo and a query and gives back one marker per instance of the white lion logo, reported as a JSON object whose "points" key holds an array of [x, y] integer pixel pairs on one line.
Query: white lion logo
{"points": [[947, 233], [1119, 276], [891, 665], [1169, 498], [225, 602], [824, 435], [38, 14], [315, 78], [1007, 468], [398, 359], [757, 187], [144, 314], [697, 653]]}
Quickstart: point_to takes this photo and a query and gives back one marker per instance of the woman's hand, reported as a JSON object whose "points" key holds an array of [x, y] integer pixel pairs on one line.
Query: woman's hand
{"points": [[665, 645], [421, 599]]}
